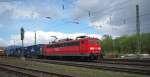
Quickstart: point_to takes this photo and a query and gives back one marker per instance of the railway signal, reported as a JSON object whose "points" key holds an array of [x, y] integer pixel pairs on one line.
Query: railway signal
{"points": [[22, 33], [22, 38]]}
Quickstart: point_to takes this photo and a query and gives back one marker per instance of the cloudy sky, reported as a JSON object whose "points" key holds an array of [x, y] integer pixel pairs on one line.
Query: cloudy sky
{"points": [[69, 18]]}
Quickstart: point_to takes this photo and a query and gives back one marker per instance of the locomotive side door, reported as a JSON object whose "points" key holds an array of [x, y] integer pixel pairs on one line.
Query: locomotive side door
{"points": [[82, 47]]}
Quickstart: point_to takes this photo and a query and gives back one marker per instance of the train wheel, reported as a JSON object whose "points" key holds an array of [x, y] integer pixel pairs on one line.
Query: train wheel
{"points": [[100, 57], [92, 57]]}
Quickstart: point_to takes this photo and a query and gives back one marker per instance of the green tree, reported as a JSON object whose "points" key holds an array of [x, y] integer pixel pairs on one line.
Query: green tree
{"points": [[125, 44], [107, 43]]}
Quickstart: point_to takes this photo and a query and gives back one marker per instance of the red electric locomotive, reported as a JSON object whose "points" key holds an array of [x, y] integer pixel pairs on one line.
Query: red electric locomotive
{"points": [[82, 47]]}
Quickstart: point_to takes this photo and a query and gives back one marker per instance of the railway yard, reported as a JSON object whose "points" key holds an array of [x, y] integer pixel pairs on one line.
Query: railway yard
{"points": [[82, 57], [74, 38], [54, 68]]}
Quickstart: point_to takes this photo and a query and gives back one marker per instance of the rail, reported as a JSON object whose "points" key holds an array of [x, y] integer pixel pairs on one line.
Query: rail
{"points": [[28, 71], [113, 67]]}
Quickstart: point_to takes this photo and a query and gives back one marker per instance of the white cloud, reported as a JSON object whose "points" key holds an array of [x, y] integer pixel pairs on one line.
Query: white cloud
{"points": [[119, 11], [44, 37], [18, 13], [5, 6], [1, 25], [18, 10], [2, 42], [109, 29], [82, 7]]}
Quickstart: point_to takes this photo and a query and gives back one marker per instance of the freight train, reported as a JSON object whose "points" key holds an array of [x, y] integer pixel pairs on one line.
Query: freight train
{"points": [[82, 47]]}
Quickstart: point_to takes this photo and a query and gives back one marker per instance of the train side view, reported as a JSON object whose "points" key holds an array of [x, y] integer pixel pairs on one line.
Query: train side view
{"points": [[82, 47]]}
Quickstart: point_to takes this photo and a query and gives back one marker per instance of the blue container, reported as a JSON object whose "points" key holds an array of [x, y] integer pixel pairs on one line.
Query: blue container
{"points": [[33, 50], [11, 50], [28, 51]]}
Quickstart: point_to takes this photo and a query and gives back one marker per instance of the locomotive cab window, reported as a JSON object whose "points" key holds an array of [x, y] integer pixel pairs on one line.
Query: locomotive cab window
{"points": [[93, 41]]}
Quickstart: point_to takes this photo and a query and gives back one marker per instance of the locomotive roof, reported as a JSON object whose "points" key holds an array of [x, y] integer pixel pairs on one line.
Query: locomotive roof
{"points": [[71, 40]]}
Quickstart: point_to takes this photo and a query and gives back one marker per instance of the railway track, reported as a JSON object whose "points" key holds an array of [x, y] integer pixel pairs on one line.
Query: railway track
{"points": [[136, 62], [131, 68], [26, 72]]}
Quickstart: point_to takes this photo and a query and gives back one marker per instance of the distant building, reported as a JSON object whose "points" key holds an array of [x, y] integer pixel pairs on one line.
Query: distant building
{"points": [[2, 51]]}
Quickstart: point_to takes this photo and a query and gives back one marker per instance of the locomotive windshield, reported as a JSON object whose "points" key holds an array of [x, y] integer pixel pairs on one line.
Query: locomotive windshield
{"points": [[93, 41]]}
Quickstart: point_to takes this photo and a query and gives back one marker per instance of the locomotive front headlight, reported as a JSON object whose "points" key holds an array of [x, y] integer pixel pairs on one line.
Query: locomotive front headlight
{"points": [[99, 48], [91, 48]]}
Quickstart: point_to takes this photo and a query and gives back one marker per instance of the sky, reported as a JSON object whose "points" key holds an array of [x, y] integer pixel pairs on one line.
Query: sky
{"points": [[69, 19]]}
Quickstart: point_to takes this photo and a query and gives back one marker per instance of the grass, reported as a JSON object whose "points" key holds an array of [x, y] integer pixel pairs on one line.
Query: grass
{"points": [[63, 69]]}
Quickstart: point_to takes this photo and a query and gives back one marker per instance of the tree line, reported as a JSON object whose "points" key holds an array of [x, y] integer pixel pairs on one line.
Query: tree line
{"points": [[125, 44]]}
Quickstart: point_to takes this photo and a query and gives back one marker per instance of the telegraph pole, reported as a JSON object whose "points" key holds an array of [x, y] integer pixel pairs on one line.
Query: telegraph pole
{"points": [[138, 29], [35, 39]]}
